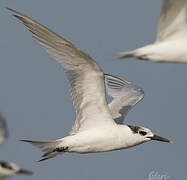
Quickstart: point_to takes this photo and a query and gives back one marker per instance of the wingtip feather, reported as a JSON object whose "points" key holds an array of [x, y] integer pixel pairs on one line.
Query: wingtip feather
{"points": [[24, 140], [127, 54]]}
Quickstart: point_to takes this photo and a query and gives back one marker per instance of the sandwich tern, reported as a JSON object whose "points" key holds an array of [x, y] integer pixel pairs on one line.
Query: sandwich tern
{"points": [[10, 169], [3, 129], [171, 41], [98, 126]]}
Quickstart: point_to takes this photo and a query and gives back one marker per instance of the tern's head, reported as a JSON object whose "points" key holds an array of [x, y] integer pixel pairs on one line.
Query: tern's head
{"points": [[9, 169], [141, 135]]}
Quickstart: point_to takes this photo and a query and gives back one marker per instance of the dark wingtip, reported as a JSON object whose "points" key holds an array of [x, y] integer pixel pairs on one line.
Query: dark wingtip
{"points": [[40, 160], [23, 140], [8, 8], [21, 19], [43, 159], [16, 16], [25, 172], [12, 10]]}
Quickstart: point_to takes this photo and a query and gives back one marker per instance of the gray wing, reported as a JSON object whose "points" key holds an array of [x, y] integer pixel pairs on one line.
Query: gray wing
{"points": [[125, 95], [3, 129], [173, 20], [85, 76]]}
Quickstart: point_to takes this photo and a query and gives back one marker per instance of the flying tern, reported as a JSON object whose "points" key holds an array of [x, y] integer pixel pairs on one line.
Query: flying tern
{"points": [[98, 126], [171, 41], [10, 169]]}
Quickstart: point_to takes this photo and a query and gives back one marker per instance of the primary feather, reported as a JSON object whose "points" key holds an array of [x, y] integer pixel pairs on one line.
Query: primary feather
{"points": [[85, 76]]}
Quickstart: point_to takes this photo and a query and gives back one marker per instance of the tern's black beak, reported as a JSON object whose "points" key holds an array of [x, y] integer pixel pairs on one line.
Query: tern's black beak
{"points": [[25, 172], [158, 138]]}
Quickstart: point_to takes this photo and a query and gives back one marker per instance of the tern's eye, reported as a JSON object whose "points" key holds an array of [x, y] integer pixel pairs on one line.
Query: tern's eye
{"points": [[143, 133]]}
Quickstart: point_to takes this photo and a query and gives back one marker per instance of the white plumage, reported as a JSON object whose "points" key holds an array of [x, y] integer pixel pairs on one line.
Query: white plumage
{"points": [[171, 41], [96, 128]]}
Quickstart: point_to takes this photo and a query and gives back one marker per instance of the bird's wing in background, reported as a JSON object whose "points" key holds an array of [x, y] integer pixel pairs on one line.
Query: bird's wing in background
{"points": [[173, 20], [125, 95], [3, 129]]}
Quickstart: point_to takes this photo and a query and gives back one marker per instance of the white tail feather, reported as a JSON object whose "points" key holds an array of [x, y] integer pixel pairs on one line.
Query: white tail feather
{"points": [[48, 147], [127, 54]]}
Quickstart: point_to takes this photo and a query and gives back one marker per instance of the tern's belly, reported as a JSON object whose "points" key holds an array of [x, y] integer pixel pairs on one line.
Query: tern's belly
{"points": [[171, 51], [97, 142]]}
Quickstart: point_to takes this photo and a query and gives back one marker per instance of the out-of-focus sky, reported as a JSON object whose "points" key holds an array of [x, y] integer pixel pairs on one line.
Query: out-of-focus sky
{"points": [[35, 99]]}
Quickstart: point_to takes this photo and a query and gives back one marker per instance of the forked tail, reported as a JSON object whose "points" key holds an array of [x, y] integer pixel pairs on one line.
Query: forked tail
{"points": [[127, 54], [140, 53], [50, 148]]}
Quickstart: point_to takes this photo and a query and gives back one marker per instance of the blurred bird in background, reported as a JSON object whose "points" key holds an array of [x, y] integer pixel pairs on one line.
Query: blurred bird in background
{"points": [[6, 168], [171, 41]]}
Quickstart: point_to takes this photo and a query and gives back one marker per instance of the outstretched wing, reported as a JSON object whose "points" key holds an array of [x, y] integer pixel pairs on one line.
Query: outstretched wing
{"points": [[173, 20], [85, 76], [125, 95], [3, 129]]}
